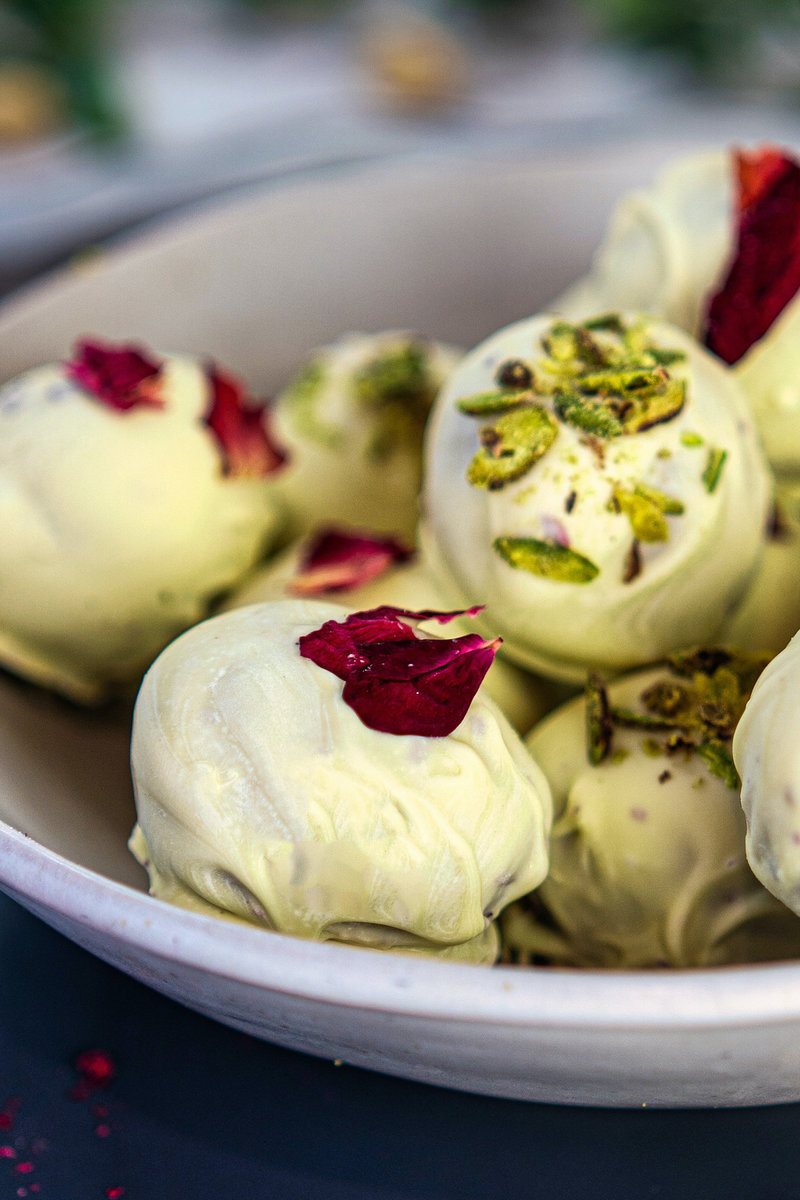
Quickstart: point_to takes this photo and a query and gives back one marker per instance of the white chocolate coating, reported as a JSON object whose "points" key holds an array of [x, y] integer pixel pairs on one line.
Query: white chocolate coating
{"points": [[340, 468], [766, 750], [260, 791], [116, 528], [687, 584], [666, 246], [768, 616], [648, 863]]}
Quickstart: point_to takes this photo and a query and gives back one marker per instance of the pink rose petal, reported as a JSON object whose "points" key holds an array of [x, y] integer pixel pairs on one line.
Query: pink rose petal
{"points": [[122, 376], [240, 428], [338, 558], [764, 275], [395, 681]]}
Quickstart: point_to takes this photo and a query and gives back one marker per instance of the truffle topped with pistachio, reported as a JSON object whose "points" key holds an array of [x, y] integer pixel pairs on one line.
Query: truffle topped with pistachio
{"points": [[598, 486], [335, 776], [352, 419], [648, 862]]}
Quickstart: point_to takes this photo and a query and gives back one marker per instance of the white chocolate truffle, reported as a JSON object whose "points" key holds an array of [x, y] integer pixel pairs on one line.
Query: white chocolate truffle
{"points": [[766, 750], [606, 550], [647, 861], [118, 528], [768, 616], [261, 791], [523, 698], [352, 421]]}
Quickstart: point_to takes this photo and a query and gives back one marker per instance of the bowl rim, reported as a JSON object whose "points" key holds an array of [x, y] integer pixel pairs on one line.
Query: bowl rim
{"points": [[348, 976]]}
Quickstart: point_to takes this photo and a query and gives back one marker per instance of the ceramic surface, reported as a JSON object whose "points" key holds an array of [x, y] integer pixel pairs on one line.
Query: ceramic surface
{"points": [[454, 250]]}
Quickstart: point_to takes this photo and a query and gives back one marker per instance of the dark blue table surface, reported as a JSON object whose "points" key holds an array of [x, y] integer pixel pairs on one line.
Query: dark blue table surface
{"points": [[201, 1112]]}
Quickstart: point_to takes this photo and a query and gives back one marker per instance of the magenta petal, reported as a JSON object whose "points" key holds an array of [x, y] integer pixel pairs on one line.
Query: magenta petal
{"points": [[431, 705], [120, 376], [397, 682], [240, 428], [765, 273], [337, 559]]}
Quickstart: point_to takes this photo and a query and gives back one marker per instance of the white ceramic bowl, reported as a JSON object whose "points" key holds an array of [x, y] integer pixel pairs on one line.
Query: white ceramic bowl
{"points": [[453, 250]]}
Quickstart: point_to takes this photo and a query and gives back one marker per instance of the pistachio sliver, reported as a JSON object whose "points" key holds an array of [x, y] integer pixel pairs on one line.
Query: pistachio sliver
{"points": [[719, 762], [647, 407], [550, 560], [586, 414], [488, 404], [713, 470], [599, 724], [511, 446]]}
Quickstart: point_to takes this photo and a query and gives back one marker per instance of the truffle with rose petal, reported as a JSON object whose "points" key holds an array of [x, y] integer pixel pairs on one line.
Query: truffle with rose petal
{"points": [[336, 776], [714, 246], [134, 488]]}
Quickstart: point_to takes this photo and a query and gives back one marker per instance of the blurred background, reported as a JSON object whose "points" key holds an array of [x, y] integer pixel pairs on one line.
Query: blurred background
{"points": [[114, 110]]}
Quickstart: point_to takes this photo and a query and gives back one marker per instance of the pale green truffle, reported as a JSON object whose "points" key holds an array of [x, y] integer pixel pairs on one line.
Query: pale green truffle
{"points": [[648, 862], [260, 791]]}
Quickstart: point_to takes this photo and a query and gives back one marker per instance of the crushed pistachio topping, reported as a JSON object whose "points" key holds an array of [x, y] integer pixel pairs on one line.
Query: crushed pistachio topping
{"points": [[695, 707], [647, 510], [548, 559], [605, 377], [713, 469], [398, 387], [609, 378], [511, 446], [632, 567], [302, 396], [691, 439]]}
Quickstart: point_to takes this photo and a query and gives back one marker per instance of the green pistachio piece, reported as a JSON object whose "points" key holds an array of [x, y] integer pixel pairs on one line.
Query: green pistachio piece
{"points": [[719, 762], [653, 407], [646, 518], [588, 415], [668, 504], [623, 379], [599, 725], [511, 446], [713, 471], [488, 404], [637, 720], [561, 342], [606, 323], [548, 559], [691, 439]]}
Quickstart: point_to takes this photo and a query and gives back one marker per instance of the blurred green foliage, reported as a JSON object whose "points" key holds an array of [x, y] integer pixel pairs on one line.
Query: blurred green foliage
{"points": [[68, 38], [712, 37]]}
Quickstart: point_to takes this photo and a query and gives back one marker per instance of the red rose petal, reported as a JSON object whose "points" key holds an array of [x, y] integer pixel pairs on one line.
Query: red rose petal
{"points": [[756, 172], [338, 558], [396, 682], [765, 273], [121, 376], [240, 428]]}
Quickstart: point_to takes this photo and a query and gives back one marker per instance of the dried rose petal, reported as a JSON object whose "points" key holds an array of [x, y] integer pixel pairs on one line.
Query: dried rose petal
{"points": [[121, 376], [338, 558], [395, 681], [765, 273], [240, 427]]}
